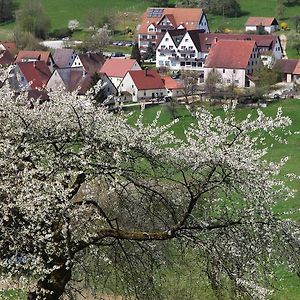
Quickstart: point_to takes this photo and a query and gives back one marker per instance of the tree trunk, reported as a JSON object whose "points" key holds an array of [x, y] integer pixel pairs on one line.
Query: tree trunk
{"points": [[55, 283]]}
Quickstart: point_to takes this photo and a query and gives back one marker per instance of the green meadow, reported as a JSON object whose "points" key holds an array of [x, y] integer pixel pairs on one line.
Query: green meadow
{"points": [[255, 8], [182, 278]]}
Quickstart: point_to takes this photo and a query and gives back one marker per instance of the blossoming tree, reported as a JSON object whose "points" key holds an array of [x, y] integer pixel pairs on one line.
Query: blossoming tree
{"points": [[214, 189]]}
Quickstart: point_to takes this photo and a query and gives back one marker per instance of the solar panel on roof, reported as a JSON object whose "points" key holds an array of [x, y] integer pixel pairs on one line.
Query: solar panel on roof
{"points": [[155, 12]]}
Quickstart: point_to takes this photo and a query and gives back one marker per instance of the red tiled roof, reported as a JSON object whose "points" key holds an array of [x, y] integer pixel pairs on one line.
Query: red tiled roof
{"points": [[6, 58], [117, 67], [207, 39], [38, 95], [10, 46], [92, 61], [288, 66], [62, 57], [230, 54], [297, 69], [24, 55], [256, 21], [171, 84], [188, 17], [37, 73], [147, 79]]}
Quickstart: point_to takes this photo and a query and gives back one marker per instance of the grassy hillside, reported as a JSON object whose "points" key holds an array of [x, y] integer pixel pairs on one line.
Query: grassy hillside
{"points": [[128, 13], [257, 8], [182, 278]]}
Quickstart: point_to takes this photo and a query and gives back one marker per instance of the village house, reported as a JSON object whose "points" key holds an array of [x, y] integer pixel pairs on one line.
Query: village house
{"points": [[179, 50], [32, 75], [31, 56], [262, 23], [174, 87], [187, 50], [142, 85], [234, 60], [71, 79], [290, 69], [9, 46], [6, 58], [90, 62], [116, 68], [64, 58], [156, 21]]}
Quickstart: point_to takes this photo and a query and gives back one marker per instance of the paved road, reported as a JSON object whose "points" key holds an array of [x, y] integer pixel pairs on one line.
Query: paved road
{"points": [[58, 44]]}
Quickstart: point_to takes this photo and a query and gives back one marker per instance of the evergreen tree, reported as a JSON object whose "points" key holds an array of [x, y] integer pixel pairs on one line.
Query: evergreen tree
{"points": [[7, 10], [150, 54], [135, 53]]}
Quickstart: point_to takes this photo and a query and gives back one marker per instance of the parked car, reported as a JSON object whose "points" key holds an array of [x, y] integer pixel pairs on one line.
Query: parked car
{"points": [[117, 54]]}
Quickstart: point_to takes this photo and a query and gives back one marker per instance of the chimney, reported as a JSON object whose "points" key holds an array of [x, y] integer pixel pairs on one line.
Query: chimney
{"points": [[34, 64], [146, 71]]}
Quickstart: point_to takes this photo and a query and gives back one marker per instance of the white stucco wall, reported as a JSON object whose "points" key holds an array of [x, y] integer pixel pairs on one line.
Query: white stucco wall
{"points": [[55, 82], [250, 28], [127, 85], [77, 62], [277, 50], [269, 29], [203, 23], [163, 60], [162, 54], [229, 76]]}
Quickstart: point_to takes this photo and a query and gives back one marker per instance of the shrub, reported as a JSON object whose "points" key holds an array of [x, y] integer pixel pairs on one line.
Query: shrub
{"points": [[284, 25], [61, 33]]}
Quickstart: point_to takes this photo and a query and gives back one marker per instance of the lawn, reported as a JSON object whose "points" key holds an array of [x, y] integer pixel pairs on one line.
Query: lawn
{"points": [[61, 11], [288, 287], [252, 8]]}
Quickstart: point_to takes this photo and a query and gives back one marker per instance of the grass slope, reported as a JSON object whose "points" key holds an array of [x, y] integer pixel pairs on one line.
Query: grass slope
{"points": [[255, 8], [182, 278]]}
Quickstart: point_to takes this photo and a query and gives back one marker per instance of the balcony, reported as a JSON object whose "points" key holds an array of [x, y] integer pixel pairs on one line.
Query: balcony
{"points": [[185, 59], [165, 51], [187, 51]]}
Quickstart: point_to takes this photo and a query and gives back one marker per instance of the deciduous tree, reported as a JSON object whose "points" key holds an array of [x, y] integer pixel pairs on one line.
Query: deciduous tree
{"points": [[32, 18], [213, 79], [78, 180], [280, 9], [190, 83]]}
